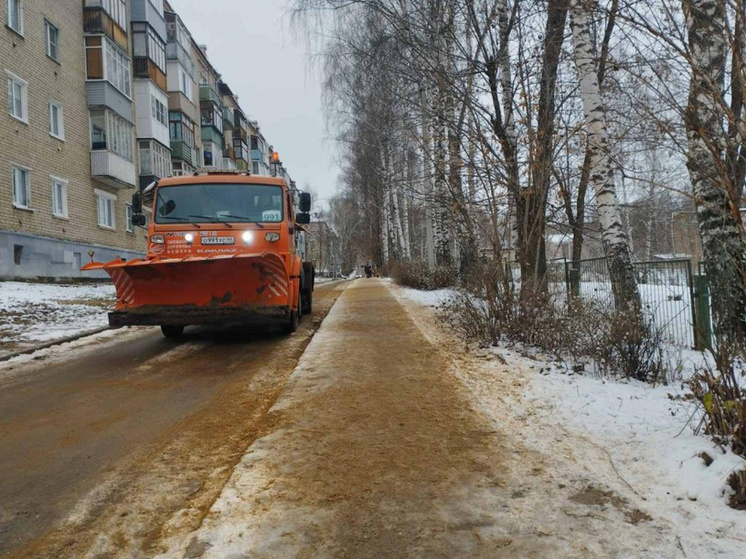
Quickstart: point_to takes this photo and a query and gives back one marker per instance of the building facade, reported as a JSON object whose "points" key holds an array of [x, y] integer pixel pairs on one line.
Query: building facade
{"points": [[103, 97], [67, 169]]}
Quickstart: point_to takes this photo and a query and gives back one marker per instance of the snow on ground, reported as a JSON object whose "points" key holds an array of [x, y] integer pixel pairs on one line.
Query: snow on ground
{"points": [[34, 313], [648, 437], [435, 299]]}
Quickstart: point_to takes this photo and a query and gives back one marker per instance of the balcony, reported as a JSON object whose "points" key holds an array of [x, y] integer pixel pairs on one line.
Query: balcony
{"points": [[228, 165], [97, 21], [146, 68], [112, 170], [240, 149], [174, 51], [228, 118], [256, 155], [211, 134], [208, 93], [102, 93], [180, 151], [144, 11], [239, 132]]}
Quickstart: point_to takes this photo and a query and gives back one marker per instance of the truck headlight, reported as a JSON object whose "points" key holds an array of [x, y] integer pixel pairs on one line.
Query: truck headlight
{"points": [[248, 237], [189, 238]]}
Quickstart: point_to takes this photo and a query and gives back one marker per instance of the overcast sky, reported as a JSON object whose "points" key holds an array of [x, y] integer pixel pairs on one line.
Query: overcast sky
{"points": [[251, 43]]}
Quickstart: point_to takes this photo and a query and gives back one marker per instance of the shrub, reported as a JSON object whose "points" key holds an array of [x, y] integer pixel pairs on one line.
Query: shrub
{"points": [[488, 310], [419, 275]]}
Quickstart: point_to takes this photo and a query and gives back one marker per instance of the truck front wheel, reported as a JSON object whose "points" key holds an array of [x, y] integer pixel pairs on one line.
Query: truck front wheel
{"points": [[172, 332]]}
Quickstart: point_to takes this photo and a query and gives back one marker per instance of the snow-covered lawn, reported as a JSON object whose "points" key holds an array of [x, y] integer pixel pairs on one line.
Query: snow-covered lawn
{"points": [[34, 313], [644, 434]]}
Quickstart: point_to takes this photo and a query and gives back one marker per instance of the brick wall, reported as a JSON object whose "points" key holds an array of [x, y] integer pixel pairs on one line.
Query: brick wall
{"points": [[30, 145]]}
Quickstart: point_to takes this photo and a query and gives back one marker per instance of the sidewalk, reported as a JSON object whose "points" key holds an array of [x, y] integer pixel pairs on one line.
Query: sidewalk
{"points": [[376, 452]]}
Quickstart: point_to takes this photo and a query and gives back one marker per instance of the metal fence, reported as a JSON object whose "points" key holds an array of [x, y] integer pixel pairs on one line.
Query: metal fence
{"points": [[666, 291]]}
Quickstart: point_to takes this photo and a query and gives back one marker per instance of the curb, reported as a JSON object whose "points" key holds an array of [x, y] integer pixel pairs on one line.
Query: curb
{"points": [[53, 343]]}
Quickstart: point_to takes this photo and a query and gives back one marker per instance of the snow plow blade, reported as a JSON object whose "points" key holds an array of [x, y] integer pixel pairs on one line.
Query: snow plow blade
{"points": [[219, 290]]}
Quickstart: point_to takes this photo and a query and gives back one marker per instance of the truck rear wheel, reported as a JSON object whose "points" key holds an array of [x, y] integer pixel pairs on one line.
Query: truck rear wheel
{"points": [[172, 332], [291, 324], [306, 301]]}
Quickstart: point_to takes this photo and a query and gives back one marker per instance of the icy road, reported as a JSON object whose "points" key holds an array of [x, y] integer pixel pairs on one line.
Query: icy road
{"points": [[377, 437]]}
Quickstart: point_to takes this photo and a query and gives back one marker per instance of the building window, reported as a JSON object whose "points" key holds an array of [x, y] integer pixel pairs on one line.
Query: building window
{"points": [[185, 84], [17, 97], [181, 128], [105, 61], [211, 154], [56, 120], [21, 178], [254, 167], [146, 44], [117, 9], [15, 16], [128, 218], [182, 169], [158, 110], [59, 197], [155, 159], [53, 41], [105, 209], [111, 132]]}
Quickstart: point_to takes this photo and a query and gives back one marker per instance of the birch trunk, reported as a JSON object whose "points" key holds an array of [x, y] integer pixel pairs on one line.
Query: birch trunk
{"points": [[616, 245], [723, 245], [427, 179]]}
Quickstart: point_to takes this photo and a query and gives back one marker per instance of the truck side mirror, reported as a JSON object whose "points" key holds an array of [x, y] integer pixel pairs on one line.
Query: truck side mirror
{"points": [[305, 202], [139, 220], [137, 203], [303, 218]]}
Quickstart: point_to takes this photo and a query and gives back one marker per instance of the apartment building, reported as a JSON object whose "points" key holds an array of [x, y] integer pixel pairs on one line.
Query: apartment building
{"points": [[260, 151], [211, 110], [151, 90], [103, 97], [67, 167], [183, 97], [235, 127]]}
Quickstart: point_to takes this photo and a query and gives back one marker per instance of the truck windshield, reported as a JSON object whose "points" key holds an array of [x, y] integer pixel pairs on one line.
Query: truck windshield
{"points": [[221, 202]]}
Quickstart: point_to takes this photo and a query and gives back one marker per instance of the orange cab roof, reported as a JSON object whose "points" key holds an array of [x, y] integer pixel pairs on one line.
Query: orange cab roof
{"points": [[222, 179]]}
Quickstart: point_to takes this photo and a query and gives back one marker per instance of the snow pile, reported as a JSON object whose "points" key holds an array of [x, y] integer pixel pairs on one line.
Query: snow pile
{"points": [[650, 439], [435, 299], [33, 313]]}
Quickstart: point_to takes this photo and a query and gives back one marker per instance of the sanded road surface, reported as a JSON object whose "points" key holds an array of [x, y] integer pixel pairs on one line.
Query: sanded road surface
{"points": [[136, 428], [376, 450]]}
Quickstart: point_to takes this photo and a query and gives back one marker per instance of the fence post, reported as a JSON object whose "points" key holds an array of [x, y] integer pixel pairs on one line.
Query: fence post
{"points": [[703, 332], [568, 287]]}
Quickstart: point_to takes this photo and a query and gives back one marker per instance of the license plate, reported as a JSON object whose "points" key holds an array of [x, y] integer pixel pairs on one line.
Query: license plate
{"points": [[218, 240]]}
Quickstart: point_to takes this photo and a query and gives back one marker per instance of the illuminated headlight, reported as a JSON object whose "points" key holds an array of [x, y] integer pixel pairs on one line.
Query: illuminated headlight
{"points": [[189, 238], [248, 237], [157, 239], [272, 237]]}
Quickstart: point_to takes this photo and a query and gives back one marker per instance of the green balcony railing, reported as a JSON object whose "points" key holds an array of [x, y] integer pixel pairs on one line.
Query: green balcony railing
{"points": [[180, 151], [208, 93]]}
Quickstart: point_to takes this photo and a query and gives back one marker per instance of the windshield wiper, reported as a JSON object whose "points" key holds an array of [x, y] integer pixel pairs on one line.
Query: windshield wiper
{"points": [[180, 219], [244, 218], [212, 219]]}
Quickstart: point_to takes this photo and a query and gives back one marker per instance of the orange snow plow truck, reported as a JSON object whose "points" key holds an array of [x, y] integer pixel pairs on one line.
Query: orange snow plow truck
{"points": [[223, 249]]}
